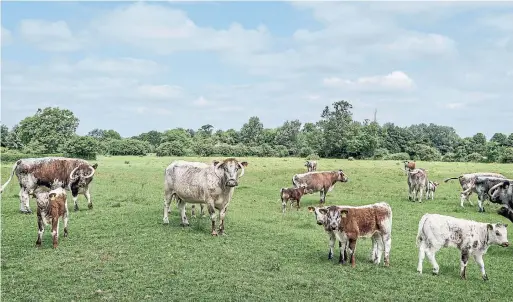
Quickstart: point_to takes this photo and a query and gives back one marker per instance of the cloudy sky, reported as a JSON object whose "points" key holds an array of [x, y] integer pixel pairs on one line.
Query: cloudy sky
{"points": [[139, 66]]}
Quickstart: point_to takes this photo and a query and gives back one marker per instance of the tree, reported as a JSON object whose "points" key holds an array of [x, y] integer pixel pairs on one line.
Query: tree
{"points": [[205, 130], [479, 140], [81, 146], [4, 135], [287, 134], [251, 132], [335, 125], [153, 137], [50, 127], [100, 134], [179, 135], [500, 139]]}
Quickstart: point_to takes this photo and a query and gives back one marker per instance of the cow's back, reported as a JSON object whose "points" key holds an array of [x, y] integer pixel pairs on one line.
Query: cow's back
{"points": [[47, 170], [191, 181]]}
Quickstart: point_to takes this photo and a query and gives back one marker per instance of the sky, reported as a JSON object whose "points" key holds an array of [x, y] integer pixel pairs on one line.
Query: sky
{"points": [[157, 65]]}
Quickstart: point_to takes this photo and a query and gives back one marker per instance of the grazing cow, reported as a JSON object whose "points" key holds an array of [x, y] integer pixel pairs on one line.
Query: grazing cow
{"points": [[417, 184], [311, 165], [51, 205], [292, 194], [53, 172], [470, 237], [322, 182], [482, 185], [320, 217], [467, 181], [409, 166], [431, 188], [351, 223], [503, 193], [199, 183]]}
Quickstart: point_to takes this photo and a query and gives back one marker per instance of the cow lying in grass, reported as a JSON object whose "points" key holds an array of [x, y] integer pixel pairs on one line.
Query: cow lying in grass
{"points": [[470, 237], [51, 205], [292, 194]]}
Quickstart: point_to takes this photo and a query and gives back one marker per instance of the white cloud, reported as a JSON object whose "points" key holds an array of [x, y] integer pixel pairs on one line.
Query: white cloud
{"points": [[123, 66], [50, 36], [421, 44], [503, 22], [454, 105], [6, 37], [160, 91], [202, 102], [394, 81]]}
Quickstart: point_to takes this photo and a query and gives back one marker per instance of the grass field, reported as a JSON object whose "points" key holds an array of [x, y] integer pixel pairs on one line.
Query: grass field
{"points": [[121, 251]]}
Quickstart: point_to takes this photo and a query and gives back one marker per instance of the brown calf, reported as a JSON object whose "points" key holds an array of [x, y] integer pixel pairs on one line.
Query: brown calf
{"points": [[50, 207], [409, 166], [322, 182], [292, 194], [351, 223]]}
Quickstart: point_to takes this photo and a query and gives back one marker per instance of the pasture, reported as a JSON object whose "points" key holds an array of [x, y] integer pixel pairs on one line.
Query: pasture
{"points": [[121, 251]]}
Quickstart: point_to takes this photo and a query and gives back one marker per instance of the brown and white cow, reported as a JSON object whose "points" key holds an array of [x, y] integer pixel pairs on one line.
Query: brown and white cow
{"points": [[322, 181], [51, 205], [53, 172], [292, 194], [351, 223], [409, 166], [417, 184], [200, 183], [311, 165], [467, 182]]}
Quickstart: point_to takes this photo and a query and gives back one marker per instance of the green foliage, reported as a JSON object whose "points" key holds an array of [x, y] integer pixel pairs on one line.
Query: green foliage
{"points": [[305, 151], [450, 157], [380, 153], [4, 134], [126, 147], [281, 151], [251, 132], [313, 156], [474, 157], [203, 148], [81, 146], [398, 156], [506, 155], [174, 148], [11, 157], [426, 153], [101, 135]]}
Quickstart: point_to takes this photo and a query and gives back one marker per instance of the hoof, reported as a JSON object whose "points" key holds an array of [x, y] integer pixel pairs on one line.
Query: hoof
{"points": [[434, 273], [184, 224], [75, 209], [90, 206], [485, 277], [214, 233]]}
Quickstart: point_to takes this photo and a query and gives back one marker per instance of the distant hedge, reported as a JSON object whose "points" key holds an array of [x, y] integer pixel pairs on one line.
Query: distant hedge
{"points": [[12, 157]]}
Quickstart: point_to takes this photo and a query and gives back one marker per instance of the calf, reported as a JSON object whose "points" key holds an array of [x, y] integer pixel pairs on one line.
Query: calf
{"points": [[503, 193], [292, 194], [322, 181], [320, 217], [417, 184], [470, 237], [467, 181], [351, 223], [311, 165], [431, 188], [51, 205]]}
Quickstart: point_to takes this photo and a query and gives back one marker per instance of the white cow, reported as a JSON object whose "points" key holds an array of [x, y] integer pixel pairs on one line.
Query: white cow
{"points": [[470, 237]]}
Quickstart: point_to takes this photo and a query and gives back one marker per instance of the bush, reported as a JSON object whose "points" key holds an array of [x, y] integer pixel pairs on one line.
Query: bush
{"points": [[202, 148], [126, 147], [305, 151], [506, 155], [281, 151], [474, 157], [450, 157], [381, 153], [313, 156], [174, 148], [12, 157], [397, 156], [84, 147], [427, 153], [268, 151]]}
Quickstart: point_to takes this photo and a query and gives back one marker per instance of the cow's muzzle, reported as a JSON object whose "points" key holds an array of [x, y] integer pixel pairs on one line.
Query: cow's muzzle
{"points": [[505, 244], [232, 183]]}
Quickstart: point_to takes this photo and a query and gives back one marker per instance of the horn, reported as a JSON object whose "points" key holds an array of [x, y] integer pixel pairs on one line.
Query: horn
{"points": [[494, 188], [92, 172], [71, 178], [242, 167]]}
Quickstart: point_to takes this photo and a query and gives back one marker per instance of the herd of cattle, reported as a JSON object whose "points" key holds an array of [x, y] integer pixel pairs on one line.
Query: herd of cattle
{"points": [[48, 180]]}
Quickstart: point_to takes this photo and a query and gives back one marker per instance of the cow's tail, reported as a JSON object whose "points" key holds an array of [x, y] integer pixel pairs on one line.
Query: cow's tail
{"points": [[12, 173], [295, 182], [447, 179], [421, 226]]}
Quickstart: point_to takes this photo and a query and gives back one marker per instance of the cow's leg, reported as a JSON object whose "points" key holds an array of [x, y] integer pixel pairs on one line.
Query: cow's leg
{"points": [[420, 192], [298, 201], [331, 245], [40, 230], [222, 214], [343, 252], [377, 248], [212, 212], [168, 196], [202, 210], [284, 205], [430, 253], [352, 250], [181, 208], [480, 203], [463, 263], [387, 242], [422, 253], [479, 259], [74, 194], [24, 201], [65, 219], [55, 230], [88, 197], [193, 211], [374, 249]]}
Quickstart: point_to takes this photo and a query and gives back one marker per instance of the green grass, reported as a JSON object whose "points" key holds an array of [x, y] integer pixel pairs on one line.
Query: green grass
{"points": [[121, 251]]}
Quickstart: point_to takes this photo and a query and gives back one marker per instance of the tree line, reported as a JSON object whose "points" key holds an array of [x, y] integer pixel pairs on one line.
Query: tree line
{"points": [[336, 135]]}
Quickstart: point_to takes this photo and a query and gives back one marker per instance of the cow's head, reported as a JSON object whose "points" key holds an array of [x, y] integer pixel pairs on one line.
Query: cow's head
{"points": [[320, 214], [498, 234], [434, 184], [40, 192], [334, 216], [501, 192], [82, 175], [307, 164], [341, 176], [228, 170]]}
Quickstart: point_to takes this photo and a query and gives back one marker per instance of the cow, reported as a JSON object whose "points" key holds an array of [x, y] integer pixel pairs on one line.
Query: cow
{"points": [[417, 184], [322, 181], [320, 218], [200, 183], [409, 166], [51, 205], [311, 165], [470, 237], [292, 194], [482, 185], [503, 193], [72, 174], [467, 181], [351, 223], [431, 188]]}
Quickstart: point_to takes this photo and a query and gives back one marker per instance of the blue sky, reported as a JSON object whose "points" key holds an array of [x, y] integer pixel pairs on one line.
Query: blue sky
{"points": [[140, 66]]}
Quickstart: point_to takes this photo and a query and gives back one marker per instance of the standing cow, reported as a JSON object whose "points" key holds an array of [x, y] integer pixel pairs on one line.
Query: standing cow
{"points": [[503, 193], [467, 182], [199, 183], [311, 165], [470, 237], [417, 184], [322, 182], [51, 205], [482, 185], [321, 219], [409, 166], [431, 188], [53, 172]]}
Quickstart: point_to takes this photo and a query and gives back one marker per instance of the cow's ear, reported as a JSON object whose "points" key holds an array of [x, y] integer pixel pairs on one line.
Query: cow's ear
{"points": [[505, 225], [244, 163], [311, 209], [343, 213], [215, 162], [52, 196], [95, 166], [489, 226], [323, 211], [505, 184]]}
